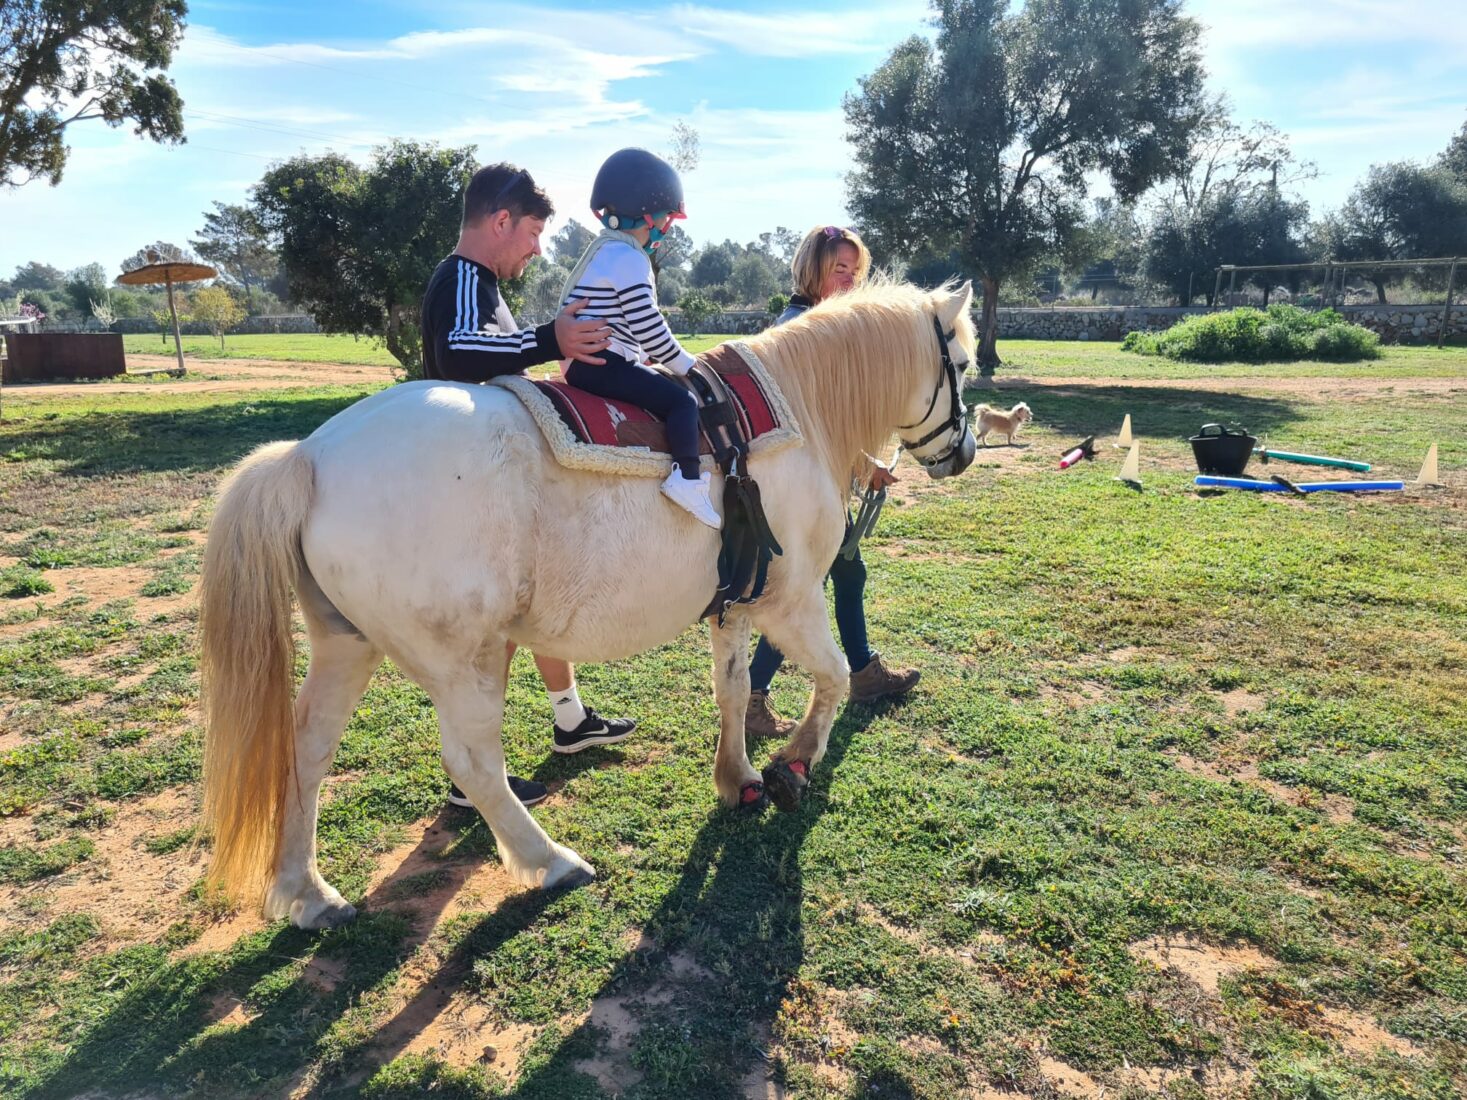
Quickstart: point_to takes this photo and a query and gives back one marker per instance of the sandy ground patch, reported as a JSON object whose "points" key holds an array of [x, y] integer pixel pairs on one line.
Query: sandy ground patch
{"points": [[134, 894], [1208, 964], [100, 585]]}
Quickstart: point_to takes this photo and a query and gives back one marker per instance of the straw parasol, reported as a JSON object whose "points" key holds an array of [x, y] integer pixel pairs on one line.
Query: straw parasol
{"points": [[169, 272]]}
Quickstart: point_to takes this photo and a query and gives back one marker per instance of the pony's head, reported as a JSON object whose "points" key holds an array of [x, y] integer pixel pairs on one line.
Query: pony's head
{"points": [[885, 357], [937, 434]]}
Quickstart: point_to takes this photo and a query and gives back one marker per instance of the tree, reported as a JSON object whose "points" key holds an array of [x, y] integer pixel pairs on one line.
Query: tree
{"points": [[235, 242], [65, 61], [83, 285], [1400, 211], [1185, 247], [980, 144], [36, 276], [1454, 160], [685, 148], [696, 308], [359, 244], [1225, 159], [674, 251], [167, 252], [217, 310], [714, 265], [1108, 252], [754, 278], [569, 241]]}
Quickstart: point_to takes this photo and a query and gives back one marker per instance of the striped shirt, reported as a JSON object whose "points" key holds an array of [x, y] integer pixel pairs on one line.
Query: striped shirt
{"points": [[617, 287], [469, 335]]}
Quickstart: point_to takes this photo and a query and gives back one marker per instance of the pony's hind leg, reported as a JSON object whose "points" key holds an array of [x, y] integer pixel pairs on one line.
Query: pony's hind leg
{"points": [[470, 707], [342, 662], [733, 776], [804, 637]]}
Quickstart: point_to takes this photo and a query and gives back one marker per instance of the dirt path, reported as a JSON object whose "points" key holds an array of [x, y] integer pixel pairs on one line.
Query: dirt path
{"points": [[1346, 389], [226, 375]]}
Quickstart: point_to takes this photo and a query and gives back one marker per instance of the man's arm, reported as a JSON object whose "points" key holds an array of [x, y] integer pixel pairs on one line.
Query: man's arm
{"points": [[466, 347]]}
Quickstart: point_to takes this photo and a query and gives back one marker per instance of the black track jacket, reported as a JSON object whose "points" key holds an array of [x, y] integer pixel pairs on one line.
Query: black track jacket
{"points": [[469, 335]]}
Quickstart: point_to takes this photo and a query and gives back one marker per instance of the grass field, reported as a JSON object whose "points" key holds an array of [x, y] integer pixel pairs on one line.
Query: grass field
{"points": [[1179, 808], [295, 348]]}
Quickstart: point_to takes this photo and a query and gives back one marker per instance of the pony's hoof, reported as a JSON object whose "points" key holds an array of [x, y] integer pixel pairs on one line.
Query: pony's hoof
{"points": [[784, 785], [328, 916], [567, 871], [573, 879], [753, 800]]}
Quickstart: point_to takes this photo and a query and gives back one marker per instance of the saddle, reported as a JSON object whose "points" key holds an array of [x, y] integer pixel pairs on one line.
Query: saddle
{"points": [[741, 411]]}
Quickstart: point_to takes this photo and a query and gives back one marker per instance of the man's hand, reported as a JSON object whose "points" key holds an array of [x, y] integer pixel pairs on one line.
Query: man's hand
{"points": [[882, 477], [581, 339]]}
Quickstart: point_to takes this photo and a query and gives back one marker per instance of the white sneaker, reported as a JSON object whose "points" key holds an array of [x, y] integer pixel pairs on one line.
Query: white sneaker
{"points": [[692, 496]]}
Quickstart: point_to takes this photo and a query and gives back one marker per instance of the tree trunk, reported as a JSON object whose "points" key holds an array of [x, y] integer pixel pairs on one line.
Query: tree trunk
{"points": [[395, 345], [1379, 290], [1267, 287], [988, 358]]}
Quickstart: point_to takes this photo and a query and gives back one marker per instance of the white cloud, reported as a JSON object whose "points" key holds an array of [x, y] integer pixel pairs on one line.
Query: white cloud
{"points": [[802, 33]]}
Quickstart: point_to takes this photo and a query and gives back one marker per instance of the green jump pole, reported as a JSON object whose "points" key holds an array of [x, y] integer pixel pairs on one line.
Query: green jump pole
{"points": [[1312, 460]]}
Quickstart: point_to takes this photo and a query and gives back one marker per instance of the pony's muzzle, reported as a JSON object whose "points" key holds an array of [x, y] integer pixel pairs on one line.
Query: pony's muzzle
{"points": [[957, 461]]}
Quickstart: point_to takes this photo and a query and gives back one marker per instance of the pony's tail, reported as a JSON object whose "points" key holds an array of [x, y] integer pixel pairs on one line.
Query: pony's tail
{"points": [[247, 669]]}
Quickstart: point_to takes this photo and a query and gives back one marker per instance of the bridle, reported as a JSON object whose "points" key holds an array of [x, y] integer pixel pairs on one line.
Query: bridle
{"points": [[957, 420]]}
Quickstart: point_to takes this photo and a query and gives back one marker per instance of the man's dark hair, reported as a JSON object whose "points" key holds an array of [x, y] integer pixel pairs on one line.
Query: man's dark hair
{"points": [[504, 187]]}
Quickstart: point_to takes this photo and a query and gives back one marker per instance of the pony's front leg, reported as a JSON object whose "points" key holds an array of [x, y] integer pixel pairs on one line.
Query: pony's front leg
{"points": [[470, 717], [737, 782], [341, 665], [803, 635]]}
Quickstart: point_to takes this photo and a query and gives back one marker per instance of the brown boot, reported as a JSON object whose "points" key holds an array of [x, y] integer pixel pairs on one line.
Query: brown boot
{"points": [[876, 681], [760, 719]]}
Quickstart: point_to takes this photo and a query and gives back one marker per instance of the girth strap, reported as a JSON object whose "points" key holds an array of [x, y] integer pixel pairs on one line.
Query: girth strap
{"points": [[748, 543]]}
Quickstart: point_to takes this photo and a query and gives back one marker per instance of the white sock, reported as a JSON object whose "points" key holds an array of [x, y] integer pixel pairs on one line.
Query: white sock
{"points": [[568, 710]]}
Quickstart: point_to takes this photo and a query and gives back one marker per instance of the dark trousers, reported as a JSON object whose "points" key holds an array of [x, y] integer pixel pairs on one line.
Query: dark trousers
{"points": [[848, 578], [670, 401]]}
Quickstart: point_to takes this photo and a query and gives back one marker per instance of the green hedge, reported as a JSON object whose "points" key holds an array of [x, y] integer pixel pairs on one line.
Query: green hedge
{"points": [[1279, 334]]}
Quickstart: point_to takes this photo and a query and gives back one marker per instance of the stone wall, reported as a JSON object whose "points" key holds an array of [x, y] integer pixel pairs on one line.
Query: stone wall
{"points": [[1395, 324]]}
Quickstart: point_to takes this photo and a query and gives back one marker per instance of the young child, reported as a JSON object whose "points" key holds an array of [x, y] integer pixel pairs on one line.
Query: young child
{"points": [[636, 197]]}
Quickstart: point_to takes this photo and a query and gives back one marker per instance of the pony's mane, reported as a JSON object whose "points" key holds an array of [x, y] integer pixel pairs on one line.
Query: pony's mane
{"points": [[848, 364]]}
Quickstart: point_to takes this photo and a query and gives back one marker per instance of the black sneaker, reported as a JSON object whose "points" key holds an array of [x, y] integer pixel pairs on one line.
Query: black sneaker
{"points": [[595, 730], [528, 791]]}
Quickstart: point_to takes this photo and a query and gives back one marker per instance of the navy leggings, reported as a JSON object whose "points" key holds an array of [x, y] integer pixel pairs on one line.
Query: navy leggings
{"points": [[658, 394], [848, 579]]}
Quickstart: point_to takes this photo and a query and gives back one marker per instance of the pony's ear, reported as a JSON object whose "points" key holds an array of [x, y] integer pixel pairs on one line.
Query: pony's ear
{"points": [[958, 302]]}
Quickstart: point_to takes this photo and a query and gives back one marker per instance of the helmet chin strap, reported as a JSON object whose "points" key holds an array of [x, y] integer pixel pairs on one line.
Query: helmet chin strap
{"points": [[653, 226]]}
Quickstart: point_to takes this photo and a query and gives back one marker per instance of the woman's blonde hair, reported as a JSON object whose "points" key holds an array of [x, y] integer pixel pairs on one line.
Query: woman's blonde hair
{"points": [[815, 258]]}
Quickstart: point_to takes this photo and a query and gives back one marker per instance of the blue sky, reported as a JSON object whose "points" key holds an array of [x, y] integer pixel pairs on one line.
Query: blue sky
{"points": [[556, 87]]}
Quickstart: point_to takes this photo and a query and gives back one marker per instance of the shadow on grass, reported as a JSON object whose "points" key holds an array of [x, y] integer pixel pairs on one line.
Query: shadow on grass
{"points": [[186, 440], [162, 1032], [736, 910], [1167, 412]]}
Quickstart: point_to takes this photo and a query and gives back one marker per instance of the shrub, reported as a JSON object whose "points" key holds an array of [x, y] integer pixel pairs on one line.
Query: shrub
{"points": [[1282, 333], [23, 580]]}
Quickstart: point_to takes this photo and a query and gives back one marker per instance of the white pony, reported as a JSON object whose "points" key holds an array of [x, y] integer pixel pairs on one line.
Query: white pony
{"points": [[430, 524]]}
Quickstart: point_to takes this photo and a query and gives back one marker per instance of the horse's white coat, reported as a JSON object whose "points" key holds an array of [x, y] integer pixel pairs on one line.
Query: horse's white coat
{"points": [[441, 529]]}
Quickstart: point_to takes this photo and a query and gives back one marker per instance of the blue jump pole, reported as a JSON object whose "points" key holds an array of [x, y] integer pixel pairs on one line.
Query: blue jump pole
{"points": [[1207, 481]]}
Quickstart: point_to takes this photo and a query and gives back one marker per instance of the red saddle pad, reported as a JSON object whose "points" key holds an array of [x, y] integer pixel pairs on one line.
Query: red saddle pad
{"points": [[607, 423]]}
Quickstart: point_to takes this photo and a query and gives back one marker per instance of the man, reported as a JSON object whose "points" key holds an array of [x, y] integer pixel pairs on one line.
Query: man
{"points": [[469, 335]]}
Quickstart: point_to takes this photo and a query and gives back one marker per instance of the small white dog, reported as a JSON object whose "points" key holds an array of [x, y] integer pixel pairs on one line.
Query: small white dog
{"points": [[991, 420]]}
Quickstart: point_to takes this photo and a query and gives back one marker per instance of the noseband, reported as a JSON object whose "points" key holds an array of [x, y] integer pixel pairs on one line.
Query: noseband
{"points": [[957, 420]]}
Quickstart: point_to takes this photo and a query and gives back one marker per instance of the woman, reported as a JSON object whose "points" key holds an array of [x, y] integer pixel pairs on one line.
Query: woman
{"points": [[830, 260]]}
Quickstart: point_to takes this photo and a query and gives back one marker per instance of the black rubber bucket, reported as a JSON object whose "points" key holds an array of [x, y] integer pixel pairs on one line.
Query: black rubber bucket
{"points": [[1222, 451]]}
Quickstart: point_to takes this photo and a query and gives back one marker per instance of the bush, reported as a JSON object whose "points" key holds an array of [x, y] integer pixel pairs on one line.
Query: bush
{"points": [[1282, 333]]}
